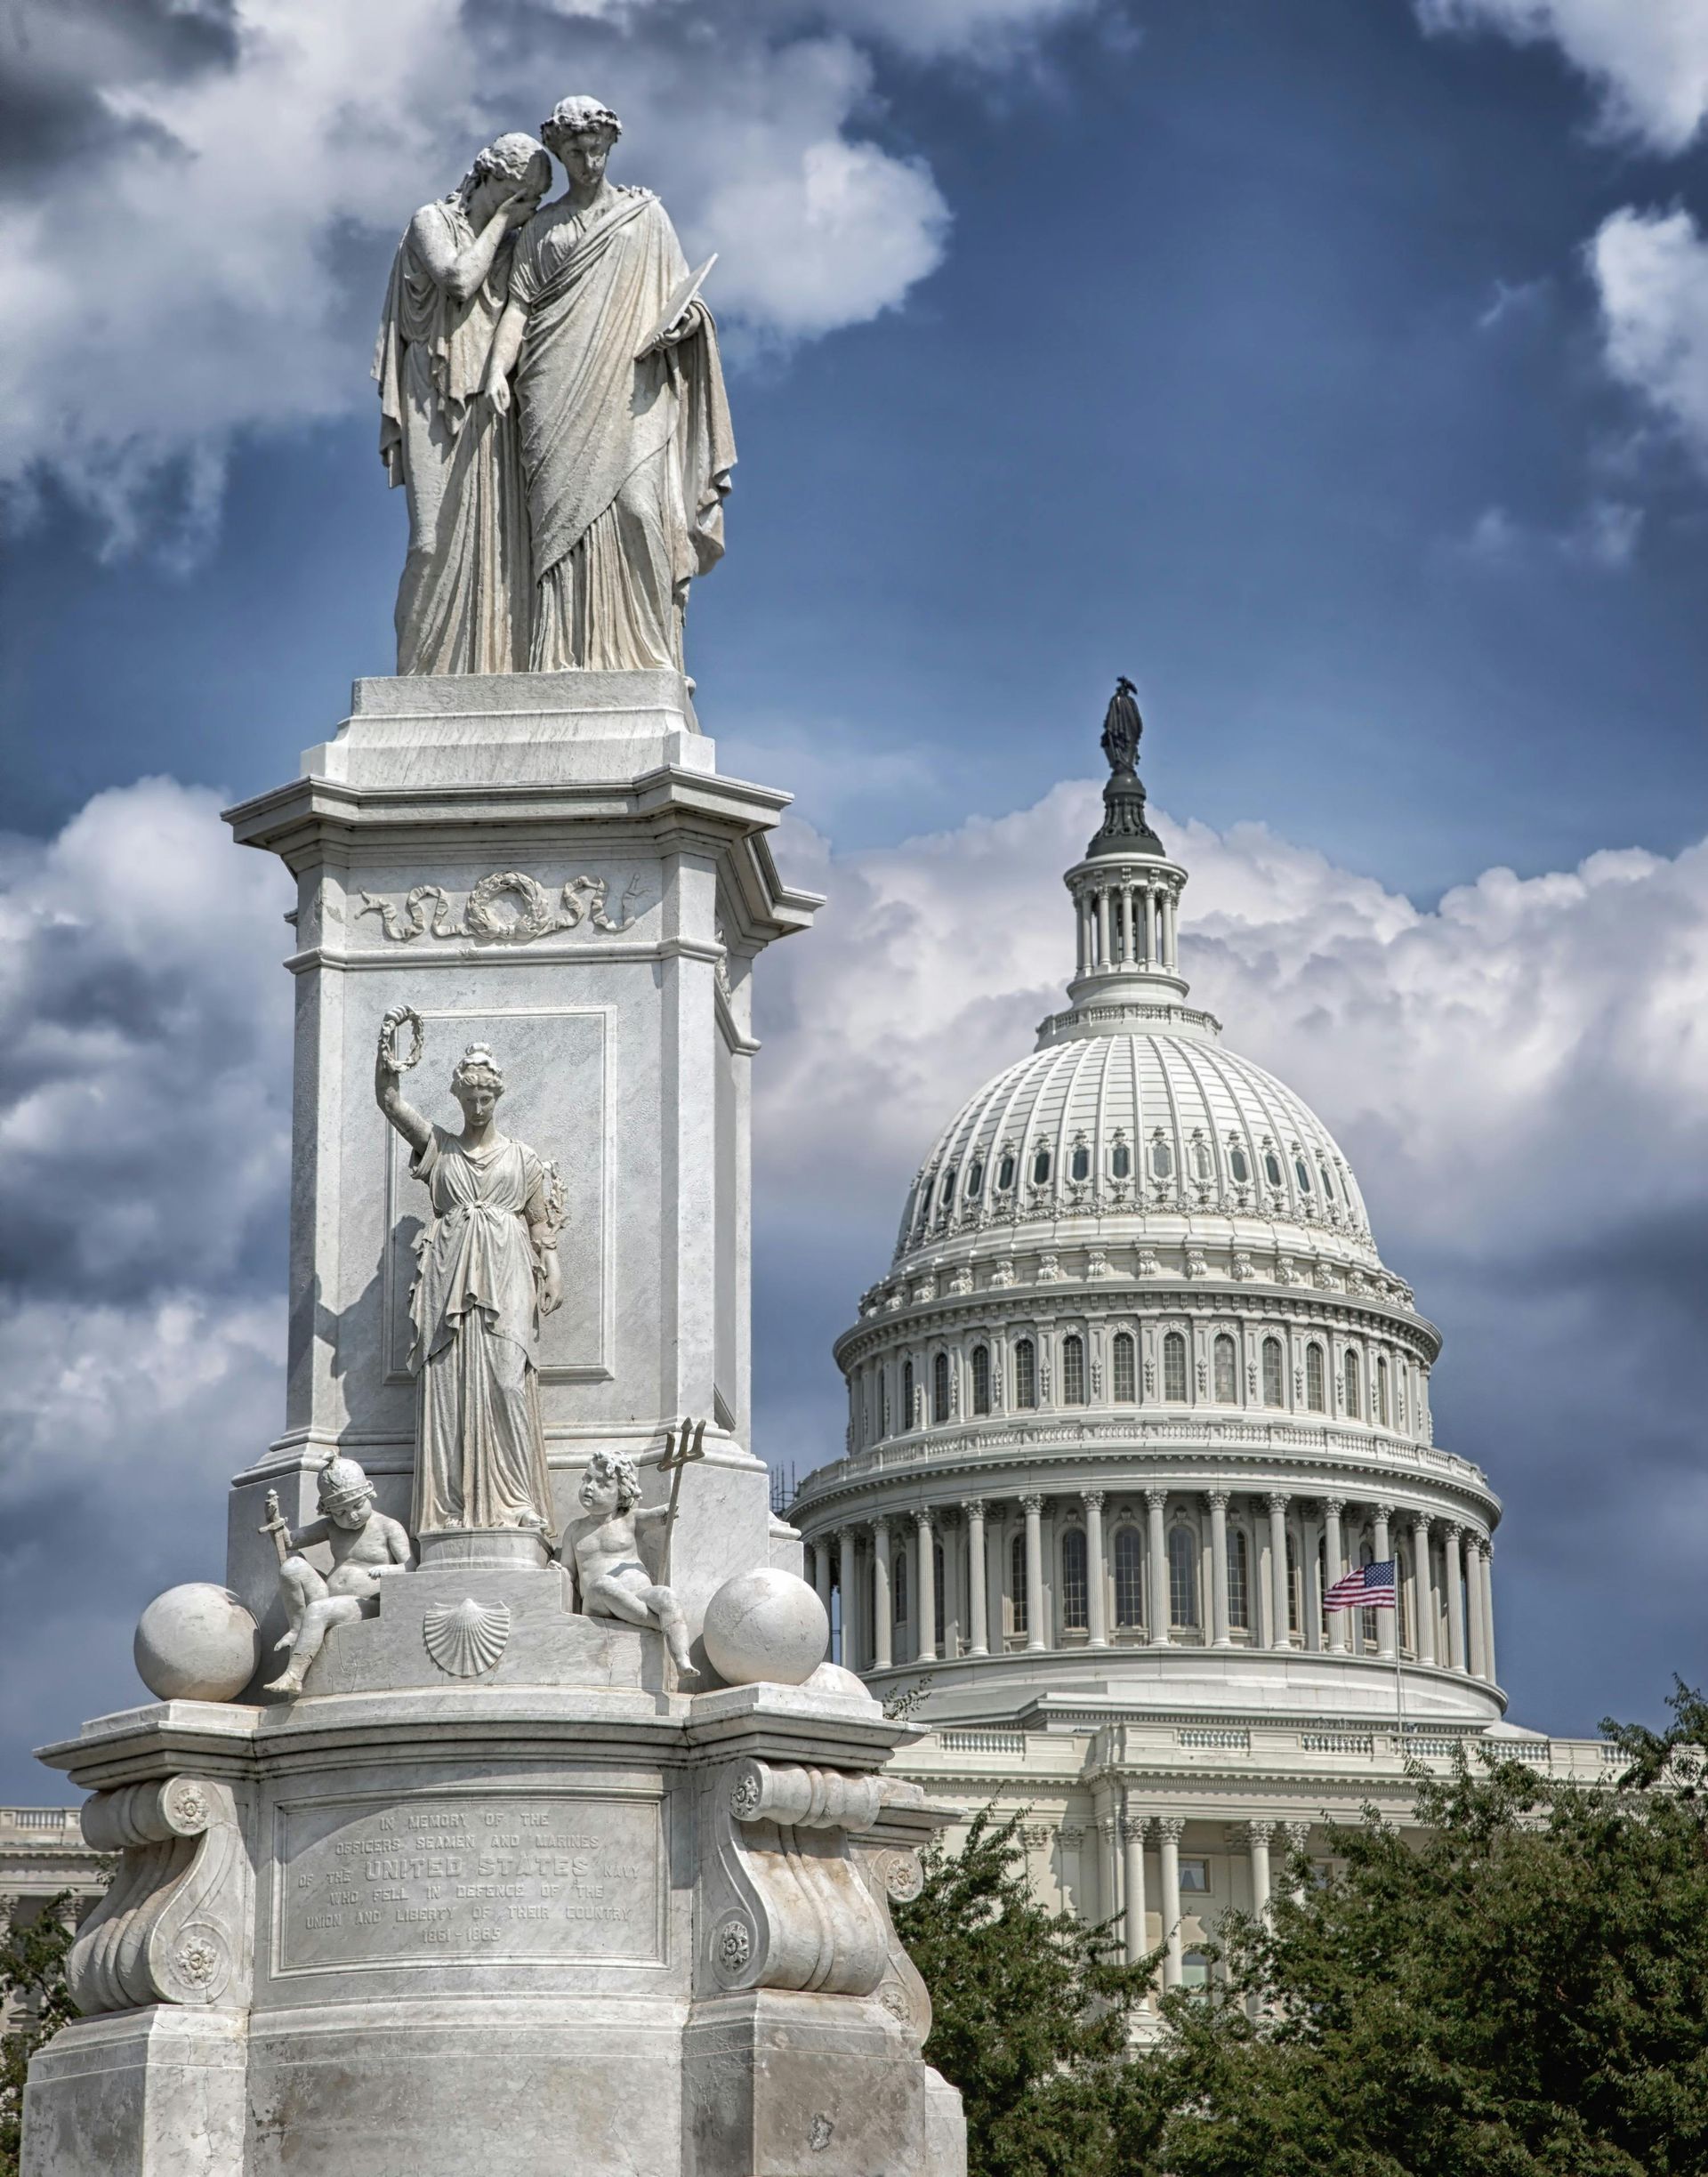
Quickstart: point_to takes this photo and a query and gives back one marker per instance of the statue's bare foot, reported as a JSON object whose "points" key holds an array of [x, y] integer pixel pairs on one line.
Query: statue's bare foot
{"points": [[288, 1681]]}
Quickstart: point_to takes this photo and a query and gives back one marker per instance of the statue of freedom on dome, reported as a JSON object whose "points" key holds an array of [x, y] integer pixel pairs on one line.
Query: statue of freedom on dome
{"points": [[626, 447], [1122, 727]]}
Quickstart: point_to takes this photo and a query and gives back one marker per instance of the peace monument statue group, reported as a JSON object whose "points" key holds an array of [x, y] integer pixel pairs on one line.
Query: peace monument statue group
{"points": [[555, 1841]]}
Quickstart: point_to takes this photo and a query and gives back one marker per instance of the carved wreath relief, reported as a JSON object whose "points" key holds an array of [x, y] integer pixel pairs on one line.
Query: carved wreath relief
{"points": [[508, 907]]}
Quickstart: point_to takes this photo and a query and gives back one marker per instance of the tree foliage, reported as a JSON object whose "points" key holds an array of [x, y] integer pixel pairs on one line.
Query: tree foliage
{"points": [[1030, 2009], [32, 1976]]}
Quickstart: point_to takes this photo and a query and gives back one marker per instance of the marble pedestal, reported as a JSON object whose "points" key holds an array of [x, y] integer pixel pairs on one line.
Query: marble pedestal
{"points": [[412, 1927]]}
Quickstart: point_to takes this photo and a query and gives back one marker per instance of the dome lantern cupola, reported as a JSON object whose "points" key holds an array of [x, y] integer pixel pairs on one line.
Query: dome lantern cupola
{"points": [[1125, 891]]}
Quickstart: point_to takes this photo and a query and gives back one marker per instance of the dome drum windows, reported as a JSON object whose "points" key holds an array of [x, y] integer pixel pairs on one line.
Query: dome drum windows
{"points": [[1026, 1376], [1174, 1368], [1072, 1369], [1129, 1577], [941, 1402], [1076, 1585], [1182, 1580], [1123, 1369], [1161, 1156], [1274, 1391], [1225, 1372], [1351, 1386], [980, 1380], [1316, 1380]]}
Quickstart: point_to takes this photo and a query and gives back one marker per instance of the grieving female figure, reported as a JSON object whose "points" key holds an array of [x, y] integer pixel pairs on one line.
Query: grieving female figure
{"points": [[486, 1270], [625, 440], [463, 604]]}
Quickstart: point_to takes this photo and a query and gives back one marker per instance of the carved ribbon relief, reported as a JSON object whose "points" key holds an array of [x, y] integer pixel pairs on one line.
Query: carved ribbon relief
{"points": [[176, 1926]]}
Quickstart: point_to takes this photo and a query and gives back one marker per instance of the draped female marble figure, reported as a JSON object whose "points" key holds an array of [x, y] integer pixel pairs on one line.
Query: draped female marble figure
{"points": [[486, 1270], [463, 603], [625, 440]]}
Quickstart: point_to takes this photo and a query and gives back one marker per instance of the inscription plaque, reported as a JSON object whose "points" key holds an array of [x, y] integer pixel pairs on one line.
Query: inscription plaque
{"points": [[477, 1876]]}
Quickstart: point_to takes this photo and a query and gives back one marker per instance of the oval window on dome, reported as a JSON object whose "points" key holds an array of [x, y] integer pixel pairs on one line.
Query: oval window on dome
{"points": [[1081, 1167], [1041, 1169], [1006, 1173], [1327, 1178], [1272, 1168], [1121, 1162], [948, 1187], [1202, 1166], [1161, 1160], [975, 1177], [1239, 1165], [1302, 1174], [925, 1200]]}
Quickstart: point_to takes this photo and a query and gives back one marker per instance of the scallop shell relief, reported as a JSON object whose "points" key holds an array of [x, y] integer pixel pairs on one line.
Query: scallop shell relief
{"points": [[467, 1639]]}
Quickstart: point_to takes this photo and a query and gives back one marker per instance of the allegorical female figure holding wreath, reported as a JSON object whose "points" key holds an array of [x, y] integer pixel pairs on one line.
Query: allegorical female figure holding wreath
{"points": [[487, 1271]]}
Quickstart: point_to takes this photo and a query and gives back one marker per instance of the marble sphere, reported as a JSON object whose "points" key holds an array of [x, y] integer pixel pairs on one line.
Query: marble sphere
{"points": [[766, 1627], [196, 1643]]}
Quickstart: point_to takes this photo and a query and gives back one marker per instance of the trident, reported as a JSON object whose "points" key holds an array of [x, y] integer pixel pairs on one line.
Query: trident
{"points": [[691, 1445]]}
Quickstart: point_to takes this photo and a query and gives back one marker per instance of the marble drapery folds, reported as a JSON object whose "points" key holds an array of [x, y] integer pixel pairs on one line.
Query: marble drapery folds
{"points": [[627, 461], [480, 1452], [463, 602]]}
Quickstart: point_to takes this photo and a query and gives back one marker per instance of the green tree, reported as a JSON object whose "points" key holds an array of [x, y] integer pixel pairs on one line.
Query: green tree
{"points": [[1520, 1989], [32, 1976], [1030, 2009]]}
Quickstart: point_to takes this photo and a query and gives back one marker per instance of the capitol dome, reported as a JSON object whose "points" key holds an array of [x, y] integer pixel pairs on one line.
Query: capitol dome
{"points": [[1136, 1322]]}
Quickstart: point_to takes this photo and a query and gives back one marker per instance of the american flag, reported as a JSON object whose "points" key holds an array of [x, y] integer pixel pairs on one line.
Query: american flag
{"points": [[1367, 1587]]}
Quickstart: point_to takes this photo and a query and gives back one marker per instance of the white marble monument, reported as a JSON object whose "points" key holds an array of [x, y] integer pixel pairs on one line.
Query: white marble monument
{"points": [[506, 1866]]}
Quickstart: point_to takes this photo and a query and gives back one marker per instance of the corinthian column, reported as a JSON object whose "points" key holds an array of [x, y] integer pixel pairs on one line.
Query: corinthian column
{"points": [[1455, 1576], [1132, 1831], [1280, 1586], [883, 1615], [1333, 1566], [1387, 1621], [1160, 1615], [1422, 1588], [1033, 1507], [1474, 1606], [821, 1570], [846, 1583], [1257, 1838], [1170, 1828], [1097, 1614], [979, 1627], [1486, 1575], [925, 1647], [1220, 1636]]}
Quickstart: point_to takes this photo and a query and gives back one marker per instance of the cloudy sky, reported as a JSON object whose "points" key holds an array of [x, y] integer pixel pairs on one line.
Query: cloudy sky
{"points": [[1338, 370]]}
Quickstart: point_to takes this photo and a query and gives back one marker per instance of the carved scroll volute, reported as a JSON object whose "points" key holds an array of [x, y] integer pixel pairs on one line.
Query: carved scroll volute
{"points": [[177, 1925], [783, 1904]]}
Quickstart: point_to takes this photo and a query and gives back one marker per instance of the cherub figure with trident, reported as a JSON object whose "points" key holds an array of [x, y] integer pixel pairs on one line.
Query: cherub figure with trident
{"points": [[604, 1545]]}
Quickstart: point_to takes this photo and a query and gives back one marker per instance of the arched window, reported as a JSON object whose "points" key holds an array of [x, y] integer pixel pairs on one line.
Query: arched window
{"points": [[1005, 1172], [1272, 1375], [1125, 1372], [1074, 1592], [898, 1586], [1295, 1612], [1041, 1167], [1162, 1159], [938, 1584], [1174, 1368], [907, 1395], [1026, 1374], [1239, 1580], [1203, 1165], [940, 1388], [1239, 1165], [1381, 1416], [1182, 1576], [1226, 1371], [981, 1379], [1352, 1385], [1272, 1167], [1016, 1596], [1316, 1380], [1121, 1162], [1129, 1577], [1080, 1164], [1073, 1370]]}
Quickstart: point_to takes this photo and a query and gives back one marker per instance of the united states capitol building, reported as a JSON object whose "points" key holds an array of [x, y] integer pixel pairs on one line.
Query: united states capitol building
{"points": [[1137, 1388]]}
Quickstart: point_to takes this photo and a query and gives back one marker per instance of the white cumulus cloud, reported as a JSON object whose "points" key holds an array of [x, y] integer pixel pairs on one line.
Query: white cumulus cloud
{"points": [[1650, 271], [1647, 58]]}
